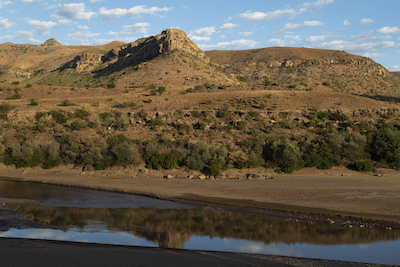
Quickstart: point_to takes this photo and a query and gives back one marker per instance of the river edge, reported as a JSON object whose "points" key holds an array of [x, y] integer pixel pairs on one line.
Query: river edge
{"points": [[338, 195]]}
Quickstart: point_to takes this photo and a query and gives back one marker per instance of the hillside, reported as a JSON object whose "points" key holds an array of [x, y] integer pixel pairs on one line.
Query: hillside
{"points": [[171, 60], [308, 69], [161, 102]]}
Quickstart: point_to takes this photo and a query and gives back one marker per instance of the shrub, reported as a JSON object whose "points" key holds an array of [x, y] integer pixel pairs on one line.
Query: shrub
{"points": [[48, 164], [122, 123], [78, 125], [28, 85], [104, 165], [59, 116], [216, 170], [284, 154], [123, 154], [67, 103], [15, 96], [111, 85], [154, 123], [241, 164], [161, 90], [34, 102], [169, 160], [255, 161], [241, 125], [116, 140], [199, 156], [81, 113], [326, 84], [365, 166]]}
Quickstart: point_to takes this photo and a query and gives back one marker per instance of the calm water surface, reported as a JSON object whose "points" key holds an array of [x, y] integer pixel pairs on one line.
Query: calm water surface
{"points": [[103, 217]]}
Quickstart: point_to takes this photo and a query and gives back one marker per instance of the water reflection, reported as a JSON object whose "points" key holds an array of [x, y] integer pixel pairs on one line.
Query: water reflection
{"points": [[174, 227], [111, 218]]}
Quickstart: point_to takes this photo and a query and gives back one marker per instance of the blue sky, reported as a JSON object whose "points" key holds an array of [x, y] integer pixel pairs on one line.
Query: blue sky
{"points": [[368, 28]]}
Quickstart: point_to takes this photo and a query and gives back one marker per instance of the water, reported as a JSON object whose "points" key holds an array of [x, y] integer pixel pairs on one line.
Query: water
{"points": [[103, 217]]}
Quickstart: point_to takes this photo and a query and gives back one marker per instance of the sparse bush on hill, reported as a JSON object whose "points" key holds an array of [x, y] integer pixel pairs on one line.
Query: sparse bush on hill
{"points": [[67, 103], [111, 85], [34, 102]]}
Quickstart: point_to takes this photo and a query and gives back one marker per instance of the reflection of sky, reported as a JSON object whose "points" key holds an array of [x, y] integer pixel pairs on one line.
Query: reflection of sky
{"points": [[104, 237], [379, 252]]}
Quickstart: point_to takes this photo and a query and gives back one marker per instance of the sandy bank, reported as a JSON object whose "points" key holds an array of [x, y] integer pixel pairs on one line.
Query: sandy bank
{"points": [[339, 192]]}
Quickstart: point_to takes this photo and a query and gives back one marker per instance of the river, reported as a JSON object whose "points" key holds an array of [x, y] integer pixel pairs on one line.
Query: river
{"points": [[80, 215]]}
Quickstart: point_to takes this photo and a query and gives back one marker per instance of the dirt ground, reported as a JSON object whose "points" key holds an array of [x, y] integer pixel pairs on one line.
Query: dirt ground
{"points": [[339, 193]]}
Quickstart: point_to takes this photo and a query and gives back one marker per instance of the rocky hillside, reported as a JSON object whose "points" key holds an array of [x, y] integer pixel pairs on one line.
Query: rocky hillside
{"points": [[308, 69], [172, 60]]}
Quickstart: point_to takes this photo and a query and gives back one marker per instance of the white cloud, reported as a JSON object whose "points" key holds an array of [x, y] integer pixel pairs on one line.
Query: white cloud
{"points": [[4, 3], [319, 3], [356, 47], [312, 23], [386, 30], [5, 24], [83, 34], [95, 1], [374, 55], [236, 44], [27, 36], [31, 1], [293, 37], [83, 28], [365, 21], [74, 11], [314, 39], [140, 27], [207, 31], [346, 23], [394, 68], [289, 27], [277, 42], [369, 36], [43, 27], [228, 26], [246, 33], [133, 12], [272, 15], [196, 38]]}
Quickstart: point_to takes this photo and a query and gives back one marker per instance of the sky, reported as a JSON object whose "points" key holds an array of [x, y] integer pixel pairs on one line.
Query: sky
{"points": [[369, 28]]}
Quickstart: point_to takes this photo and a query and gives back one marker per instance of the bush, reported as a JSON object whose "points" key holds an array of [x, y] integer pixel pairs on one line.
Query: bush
{"points": [[169, 160], [59, 116], [78, 125], [365, 166], [81, 113], [161, 90], [241, 164], [67, 103], [241, 125], [104, 165], [123, 154], [326, 84], [34, 102], [111, 85], [154, 123], [15, 96], [116, 140], [216, 170]]}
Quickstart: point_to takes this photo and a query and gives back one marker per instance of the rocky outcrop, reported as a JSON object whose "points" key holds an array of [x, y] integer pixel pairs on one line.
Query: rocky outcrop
{"points": [[150, 47], [51, 42], [86, 62]]}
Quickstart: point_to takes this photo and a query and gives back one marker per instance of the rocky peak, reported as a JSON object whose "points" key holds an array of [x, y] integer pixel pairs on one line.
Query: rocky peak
{"points": [[51, 42], [150, 47]]}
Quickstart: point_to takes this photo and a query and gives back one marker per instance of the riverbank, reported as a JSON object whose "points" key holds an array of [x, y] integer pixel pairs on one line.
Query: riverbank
{"points": [[339, 194]]}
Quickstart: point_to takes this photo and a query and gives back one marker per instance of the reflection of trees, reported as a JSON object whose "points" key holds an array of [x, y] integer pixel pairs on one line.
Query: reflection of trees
{"points": [[172, 228]]}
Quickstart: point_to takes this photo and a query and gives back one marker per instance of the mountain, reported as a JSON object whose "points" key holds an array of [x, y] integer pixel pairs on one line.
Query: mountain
{"points": [[172, 60]]}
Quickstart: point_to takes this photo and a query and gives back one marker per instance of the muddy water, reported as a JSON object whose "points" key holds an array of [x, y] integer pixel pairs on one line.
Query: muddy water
{"points": [[71, 214]]}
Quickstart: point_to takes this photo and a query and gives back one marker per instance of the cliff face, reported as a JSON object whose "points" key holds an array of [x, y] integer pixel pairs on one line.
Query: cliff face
{"points": [[148, 48]]}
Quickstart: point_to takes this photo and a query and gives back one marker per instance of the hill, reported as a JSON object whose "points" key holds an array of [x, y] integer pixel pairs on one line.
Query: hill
{"points": [[161, 102], [308, 69], [172, 60]]}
